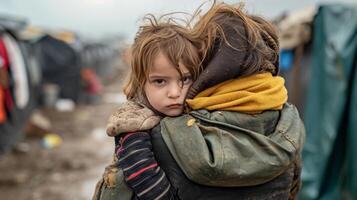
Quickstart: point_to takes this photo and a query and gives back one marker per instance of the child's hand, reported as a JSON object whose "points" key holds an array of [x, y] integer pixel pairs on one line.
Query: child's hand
{"points": [[131, 117]]}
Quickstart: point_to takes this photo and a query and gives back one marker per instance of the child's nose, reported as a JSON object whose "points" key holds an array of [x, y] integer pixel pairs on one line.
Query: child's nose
{"points": [[174, 91]]}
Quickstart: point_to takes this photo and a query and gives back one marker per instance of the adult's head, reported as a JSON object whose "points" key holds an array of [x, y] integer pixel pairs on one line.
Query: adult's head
{"points": [[233, 44]]}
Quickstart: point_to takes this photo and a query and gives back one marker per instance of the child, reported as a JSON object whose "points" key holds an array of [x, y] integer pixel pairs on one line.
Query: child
{"points": [[162, 71], [164, 64]]}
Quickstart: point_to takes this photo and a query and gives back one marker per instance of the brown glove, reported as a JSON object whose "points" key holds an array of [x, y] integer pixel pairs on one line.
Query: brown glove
{"points": [[130, 117]]}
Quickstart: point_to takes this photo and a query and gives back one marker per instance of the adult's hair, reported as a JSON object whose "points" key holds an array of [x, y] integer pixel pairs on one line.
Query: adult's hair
{"points": [[233, 44], [253, 37]]}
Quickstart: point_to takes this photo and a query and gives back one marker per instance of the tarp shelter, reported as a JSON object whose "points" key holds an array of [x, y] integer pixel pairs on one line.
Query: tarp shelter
{"points": [[100, 57], [295, 53], [330, 152], [19, 85], [60, 64]]}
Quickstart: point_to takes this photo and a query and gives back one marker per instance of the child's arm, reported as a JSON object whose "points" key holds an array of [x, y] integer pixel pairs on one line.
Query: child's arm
{"points": [[141, 171]]}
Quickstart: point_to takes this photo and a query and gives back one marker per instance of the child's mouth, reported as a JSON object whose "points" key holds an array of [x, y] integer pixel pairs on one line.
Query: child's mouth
{"points": [[175, 106]]}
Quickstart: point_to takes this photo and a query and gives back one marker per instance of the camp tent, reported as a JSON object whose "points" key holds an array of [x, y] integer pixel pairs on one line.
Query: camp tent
{"points": [[21, 87], [60, 65], [330, 152]]}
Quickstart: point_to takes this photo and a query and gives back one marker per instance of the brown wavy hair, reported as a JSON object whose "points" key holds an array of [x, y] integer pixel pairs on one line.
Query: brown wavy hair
{"points": [[262, 51], [165, 36], [194, 45]]}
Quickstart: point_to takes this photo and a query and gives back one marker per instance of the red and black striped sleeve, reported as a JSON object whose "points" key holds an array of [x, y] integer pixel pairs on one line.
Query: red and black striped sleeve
{"points": [[141, 171]]}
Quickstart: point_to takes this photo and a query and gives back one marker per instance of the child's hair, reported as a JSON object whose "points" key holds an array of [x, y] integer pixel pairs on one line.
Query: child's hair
{"points": [[166, 37], [262, 45]]}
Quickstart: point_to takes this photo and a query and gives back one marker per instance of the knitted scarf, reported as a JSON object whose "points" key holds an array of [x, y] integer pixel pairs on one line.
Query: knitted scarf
{"points": [[252, 94]]}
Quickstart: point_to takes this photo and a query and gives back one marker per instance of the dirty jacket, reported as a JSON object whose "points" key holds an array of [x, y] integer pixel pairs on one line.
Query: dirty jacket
{"points": [[229, 150], [277, 174]]}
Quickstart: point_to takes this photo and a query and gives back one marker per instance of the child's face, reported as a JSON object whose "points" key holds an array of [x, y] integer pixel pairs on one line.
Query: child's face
{"points": [[164, 88]]}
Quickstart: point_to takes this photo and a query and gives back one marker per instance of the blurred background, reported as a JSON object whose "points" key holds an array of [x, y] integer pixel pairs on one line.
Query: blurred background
{"points": [[62, 65]]}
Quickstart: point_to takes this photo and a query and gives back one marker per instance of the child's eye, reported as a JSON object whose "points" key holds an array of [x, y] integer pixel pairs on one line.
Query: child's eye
{"points": [[159, 82], [187, 80]]}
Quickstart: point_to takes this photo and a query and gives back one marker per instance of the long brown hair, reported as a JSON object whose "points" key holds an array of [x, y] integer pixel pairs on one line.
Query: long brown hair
{"points": [[164, 36], [262, 51]]}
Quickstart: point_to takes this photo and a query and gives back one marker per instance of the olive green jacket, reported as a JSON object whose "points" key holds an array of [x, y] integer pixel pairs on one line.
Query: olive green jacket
{"points": [[223, 148]]}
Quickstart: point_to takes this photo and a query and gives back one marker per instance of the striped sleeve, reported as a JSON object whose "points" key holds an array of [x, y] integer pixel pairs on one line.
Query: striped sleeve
{"points": [[141, 171]]}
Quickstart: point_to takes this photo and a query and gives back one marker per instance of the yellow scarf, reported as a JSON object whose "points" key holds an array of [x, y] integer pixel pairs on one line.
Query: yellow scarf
{"points": [[252, 94]]}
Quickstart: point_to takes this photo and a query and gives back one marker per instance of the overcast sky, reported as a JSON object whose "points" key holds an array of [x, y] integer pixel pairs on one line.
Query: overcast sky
{"points": [[95, 18]]}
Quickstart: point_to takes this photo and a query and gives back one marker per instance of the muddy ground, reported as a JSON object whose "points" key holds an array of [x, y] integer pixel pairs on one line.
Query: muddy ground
{"points": [[70, 170]]}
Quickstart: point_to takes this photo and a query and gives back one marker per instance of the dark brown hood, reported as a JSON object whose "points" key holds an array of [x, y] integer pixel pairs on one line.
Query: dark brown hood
{"points": [[228, 59]]}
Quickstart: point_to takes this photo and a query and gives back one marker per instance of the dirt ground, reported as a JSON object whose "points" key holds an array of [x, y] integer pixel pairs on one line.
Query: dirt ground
{"points": [[70, 170]]}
